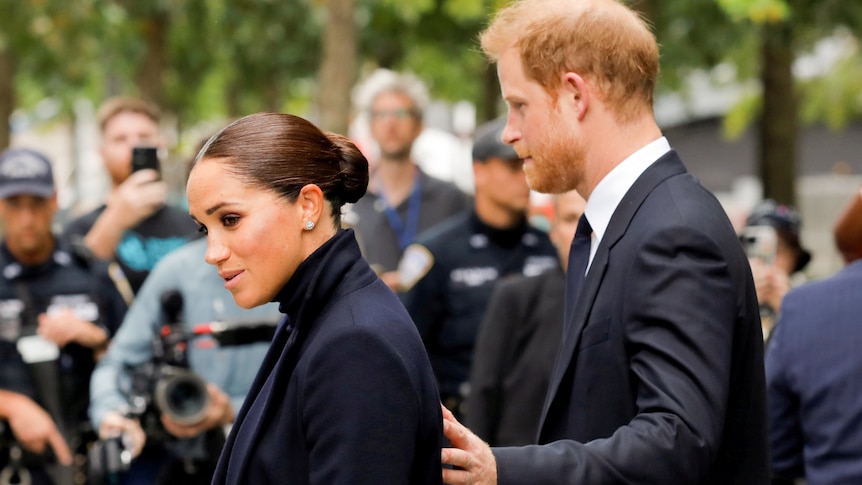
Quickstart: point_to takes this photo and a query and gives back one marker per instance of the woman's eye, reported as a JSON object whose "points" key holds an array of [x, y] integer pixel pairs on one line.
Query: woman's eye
{"points": [[202, 229], [230, 220]]}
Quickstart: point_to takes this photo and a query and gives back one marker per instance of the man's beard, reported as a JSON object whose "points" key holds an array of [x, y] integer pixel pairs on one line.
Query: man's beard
{"points": [[557, 163]]}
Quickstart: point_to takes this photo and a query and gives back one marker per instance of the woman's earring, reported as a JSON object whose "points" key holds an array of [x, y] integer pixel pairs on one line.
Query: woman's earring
{"points": [[309, 225]]}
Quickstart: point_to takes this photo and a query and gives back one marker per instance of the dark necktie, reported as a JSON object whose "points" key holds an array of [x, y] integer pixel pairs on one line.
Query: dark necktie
{"points": [[579, 255]]}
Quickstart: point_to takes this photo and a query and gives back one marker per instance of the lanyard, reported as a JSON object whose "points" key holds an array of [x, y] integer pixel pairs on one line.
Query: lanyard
{"points": [[404, 230]]}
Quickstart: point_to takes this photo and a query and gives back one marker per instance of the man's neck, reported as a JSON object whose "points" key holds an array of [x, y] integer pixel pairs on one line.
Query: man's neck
{"points": [[31, 258], [613, 143], [497, 216], [395, 178]]}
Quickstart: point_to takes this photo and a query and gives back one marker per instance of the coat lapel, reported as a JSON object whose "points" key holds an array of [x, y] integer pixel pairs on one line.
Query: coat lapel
{"points": [[279, 367], [665, 167]]}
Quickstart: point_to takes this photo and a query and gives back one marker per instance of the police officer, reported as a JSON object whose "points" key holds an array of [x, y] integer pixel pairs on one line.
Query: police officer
{"points": [[58, 309], [449, 274]]}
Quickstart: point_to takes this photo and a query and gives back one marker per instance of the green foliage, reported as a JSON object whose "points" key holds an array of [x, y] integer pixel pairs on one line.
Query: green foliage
{"points": [[231, 57], [741, 114], [437, 40], [757, 11], [836, 98]]}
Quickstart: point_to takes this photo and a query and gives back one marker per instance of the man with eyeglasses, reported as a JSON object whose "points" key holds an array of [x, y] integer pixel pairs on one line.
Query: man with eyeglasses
{"points": [[402, 200]]}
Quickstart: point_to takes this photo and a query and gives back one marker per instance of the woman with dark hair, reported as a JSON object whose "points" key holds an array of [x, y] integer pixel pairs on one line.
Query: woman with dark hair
{"points": [[346, 393]]}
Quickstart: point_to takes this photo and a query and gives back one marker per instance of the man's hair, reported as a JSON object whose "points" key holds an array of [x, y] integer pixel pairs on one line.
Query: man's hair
{"points": [[114, 106], [385, 81], [603, 41]]}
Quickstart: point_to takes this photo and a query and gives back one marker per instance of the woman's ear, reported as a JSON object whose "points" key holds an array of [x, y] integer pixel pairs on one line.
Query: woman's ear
{"points": [[311, 203]]}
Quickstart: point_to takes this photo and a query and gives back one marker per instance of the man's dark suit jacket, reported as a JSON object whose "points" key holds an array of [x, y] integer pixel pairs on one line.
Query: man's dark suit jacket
{"points": [[514, 357], [346, 394], [814, 381], [659, 379]]}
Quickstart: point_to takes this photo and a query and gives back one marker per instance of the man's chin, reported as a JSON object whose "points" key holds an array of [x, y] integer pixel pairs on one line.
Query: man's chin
{"points": [[397, 155]]}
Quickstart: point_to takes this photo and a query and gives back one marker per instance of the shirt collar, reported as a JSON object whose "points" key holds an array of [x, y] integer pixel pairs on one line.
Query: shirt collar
{"points": [[613, 187]]}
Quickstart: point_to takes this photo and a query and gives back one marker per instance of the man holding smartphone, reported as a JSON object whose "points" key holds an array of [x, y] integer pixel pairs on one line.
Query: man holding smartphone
{"points": [[135, 227], [771, 238]]}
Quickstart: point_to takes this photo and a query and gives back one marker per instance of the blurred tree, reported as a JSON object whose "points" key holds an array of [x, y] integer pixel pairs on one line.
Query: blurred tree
{"points": [[786, 29], [338, 65], [436, 40], [42, 44]]}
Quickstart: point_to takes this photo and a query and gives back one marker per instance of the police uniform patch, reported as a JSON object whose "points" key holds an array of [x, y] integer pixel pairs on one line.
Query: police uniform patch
{"points": [[414, 264]]}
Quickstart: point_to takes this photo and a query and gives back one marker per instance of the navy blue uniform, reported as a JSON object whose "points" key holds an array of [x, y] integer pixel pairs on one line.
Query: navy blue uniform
{"points": [[65, 280], [448, 276]]}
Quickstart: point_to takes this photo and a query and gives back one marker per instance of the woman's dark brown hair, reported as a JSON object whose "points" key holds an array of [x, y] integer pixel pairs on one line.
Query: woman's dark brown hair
{"points": [[284, 153]]}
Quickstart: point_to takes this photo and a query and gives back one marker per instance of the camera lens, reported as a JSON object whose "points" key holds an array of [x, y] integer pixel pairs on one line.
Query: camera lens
{"points": [[182, 396]]}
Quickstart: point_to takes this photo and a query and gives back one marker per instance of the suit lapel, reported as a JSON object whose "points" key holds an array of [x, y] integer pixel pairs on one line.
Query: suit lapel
{"points": [[667, 166]]}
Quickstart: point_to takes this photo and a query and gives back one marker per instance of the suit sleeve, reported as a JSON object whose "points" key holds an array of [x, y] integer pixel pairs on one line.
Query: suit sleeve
{"points": [[490, 358], [785, 428], [678, 304], [361, 411]]}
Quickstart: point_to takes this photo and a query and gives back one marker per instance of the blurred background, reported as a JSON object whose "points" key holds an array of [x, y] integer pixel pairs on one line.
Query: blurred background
{"points": [[762, 98]]}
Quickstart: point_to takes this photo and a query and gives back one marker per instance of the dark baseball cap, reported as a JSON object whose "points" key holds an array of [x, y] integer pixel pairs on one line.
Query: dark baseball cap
{"points": [[25, 172], [488, 143]]}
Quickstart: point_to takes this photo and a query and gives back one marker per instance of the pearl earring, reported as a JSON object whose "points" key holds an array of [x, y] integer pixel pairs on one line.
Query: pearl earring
{"points": [[309, 225]]}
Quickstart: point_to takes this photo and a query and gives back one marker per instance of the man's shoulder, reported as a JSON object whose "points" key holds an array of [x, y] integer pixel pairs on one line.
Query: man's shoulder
{"points": [[81, 224], [169, 221], [447, 233], [538, 238], [437, 189]]}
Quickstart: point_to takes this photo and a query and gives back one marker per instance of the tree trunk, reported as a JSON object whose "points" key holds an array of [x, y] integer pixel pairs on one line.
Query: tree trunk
{"points": [[489, 109], [7, 95], [779, 124], [337, 69], [149, 77]]}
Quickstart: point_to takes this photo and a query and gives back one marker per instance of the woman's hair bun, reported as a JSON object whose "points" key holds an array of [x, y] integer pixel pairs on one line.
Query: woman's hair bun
{"points": [[354, 169]]}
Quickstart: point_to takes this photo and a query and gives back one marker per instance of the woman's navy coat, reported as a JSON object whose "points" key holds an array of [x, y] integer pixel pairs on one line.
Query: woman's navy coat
{"points": [[346, 394]]}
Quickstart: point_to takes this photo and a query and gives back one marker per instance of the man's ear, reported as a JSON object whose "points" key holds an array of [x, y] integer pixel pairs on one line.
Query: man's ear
{"points": [[574, 89]]}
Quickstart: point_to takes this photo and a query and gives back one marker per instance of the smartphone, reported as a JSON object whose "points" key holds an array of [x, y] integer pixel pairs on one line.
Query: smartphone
{"points": [[145, 157], [760, 242]]}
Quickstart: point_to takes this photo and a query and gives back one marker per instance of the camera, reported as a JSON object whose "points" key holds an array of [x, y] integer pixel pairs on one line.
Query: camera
{"points": [[108, 458], [165, 385]]}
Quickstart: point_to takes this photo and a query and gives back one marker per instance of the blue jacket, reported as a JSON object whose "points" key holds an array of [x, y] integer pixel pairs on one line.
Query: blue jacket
{"points": [[346, 394], [814, 381]]}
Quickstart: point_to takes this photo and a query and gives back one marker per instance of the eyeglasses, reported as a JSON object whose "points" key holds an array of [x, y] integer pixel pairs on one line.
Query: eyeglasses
{"points": [[399, 114]]}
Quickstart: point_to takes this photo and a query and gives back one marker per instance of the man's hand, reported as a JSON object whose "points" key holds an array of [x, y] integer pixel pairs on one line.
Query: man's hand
{"points": [[219, 413], [115, 424], [472, 457], [770, 283], [65, 327], [35, 430], [392, 280], [138, 197]]}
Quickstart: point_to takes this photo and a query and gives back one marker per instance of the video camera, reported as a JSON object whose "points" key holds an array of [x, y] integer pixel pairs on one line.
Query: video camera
{"points": [[165, 385]]}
